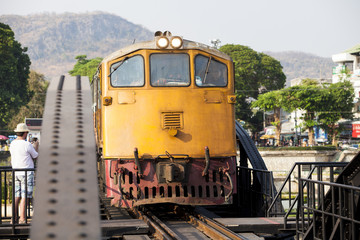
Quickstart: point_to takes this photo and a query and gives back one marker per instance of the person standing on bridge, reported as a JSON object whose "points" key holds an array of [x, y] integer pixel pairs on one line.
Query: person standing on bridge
{"points": [[22, 154]]}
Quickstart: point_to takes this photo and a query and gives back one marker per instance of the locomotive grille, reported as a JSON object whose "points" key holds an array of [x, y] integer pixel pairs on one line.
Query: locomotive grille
{"points": [[172, 120]]}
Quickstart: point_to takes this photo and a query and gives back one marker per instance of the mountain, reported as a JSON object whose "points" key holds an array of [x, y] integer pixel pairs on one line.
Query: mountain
{"points": [[54, 40], [303, 65]]}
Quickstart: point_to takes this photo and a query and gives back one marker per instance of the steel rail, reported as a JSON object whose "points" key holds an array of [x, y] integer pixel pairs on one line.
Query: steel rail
{"points": [[158, 229], [213, 229], [163, 225], [207, 226]]}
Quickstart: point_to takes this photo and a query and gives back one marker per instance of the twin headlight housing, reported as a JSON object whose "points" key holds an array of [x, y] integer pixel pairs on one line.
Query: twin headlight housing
{"points": [[165, 40]]}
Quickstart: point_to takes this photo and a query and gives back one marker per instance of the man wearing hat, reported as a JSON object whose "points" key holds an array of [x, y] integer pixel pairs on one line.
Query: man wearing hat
{"points": [[22, 154]]}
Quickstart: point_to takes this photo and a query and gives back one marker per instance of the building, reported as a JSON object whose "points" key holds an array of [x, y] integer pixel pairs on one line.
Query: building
{"points": [[349, 64], [34, 125], [349, 67]]}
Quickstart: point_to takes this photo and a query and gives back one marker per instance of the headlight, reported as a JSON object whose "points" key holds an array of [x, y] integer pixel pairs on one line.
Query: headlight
{"points": [[162, 42], [176, 42]]}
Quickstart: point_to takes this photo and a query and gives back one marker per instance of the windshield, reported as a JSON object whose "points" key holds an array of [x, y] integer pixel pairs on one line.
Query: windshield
{"points": [[210, 72], [128, 72], [169, 70]]}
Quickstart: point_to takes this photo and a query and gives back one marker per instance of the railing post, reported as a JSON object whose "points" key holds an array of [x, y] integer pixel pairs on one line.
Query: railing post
{"points": [[26, 195], [321, 198], [14, 216], [299, 210], [6, 193], [352, 209], [332, 188], [272, 187], [1, 197], [313, 200]]}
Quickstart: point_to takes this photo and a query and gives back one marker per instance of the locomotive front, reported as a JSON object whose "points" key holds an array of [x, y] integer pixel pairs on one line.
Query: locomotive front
{"points": [[164, 119]]}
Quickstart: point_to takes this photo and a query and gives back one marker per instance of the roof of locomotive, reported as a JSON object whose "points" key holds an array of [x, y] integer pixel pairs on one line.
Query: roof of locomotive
{"points": [[152, 45]]}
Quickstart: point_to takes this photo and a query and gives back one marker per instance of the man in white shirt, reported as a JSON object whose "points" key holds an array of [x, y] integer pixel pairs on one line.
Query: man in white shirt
{"points": [[22, 154]]}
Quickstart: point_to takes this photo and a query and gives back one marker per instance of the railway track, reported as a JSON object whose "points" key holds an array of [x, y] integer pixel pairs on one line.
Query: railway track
{"points": [[167, 222], [175, 223]]}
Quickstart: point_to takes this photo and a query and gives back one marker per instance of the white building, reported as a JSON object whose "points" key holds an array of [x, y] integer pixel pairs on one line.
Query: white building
{"points": [[349, 61], [34, 125]]}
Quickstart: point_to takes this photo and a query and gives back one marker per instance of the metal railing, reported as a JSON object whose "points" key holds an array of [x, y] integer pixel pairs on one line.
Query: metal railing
{"points": [[7, 198], [308, 170], [255, 190], [327, 215]]}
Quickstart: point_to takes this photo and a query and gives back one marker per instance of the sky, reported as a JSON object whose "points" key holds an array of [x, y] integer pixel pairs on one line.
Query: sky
{"points": [[320, 27]]}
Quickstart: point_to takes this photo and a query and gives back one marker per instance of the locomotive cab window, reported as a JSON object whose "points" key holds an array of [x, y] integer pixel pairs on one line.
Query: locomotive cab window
{"points": [[210, 72], [170, 70], [128, 72]]}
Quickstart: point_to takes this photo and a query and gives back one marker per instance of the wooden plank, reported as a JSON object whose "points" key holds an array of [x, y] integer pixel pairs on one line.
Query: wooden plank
{"points": [[119, 223], [256, 225], [120, 227], [136, 237]]}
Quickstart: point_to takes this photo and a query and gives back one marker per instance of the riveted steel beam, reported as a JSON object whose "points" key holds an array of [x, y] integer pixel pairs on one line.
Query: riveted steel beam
{"points": [[66, 195]]}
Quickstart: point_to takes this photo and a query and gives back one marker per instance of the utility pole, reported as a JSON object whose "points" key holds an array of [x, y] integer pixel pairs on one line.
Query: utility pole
{"points": [[296, 132], [264, 120]]}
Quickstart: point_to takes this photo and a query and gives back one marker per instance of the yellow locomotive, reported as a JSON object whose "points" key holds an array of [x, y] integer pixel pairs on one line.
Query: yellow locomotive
{"points": [[164, 123]]}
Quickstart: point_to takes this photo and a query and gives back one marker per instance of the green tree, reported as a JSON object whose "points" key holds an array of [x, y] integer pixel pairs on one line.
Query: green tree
{"points": [[338, 104], [309, 97], [254, 72], [271, 101], [35, 108], [322, 105], [85, 67], [14, 71], [272, 76]]}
